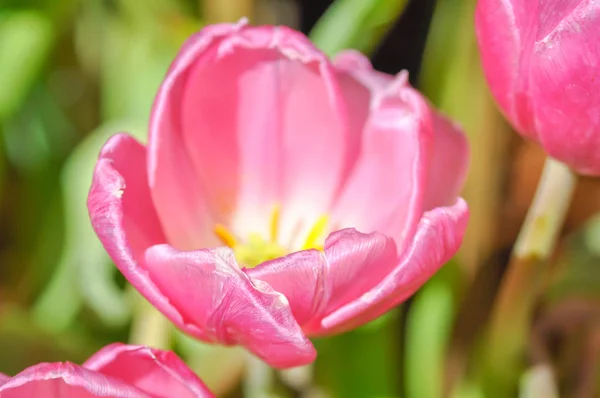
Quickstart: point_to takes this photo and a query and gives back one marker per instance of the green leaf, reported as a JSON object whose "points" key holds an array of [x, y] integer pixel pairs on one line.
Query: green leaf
{"points": [[23, 343], [357, 24], [26, 38], [362, 363], [428, 330], [85, 273]]}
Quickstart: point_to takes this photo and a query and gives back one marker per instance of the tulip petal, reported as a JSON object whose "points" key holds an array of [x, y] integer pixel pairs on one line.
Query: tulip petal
{"points": [[65, 380], [564, 83], [3, 378], [450, 150], [181, 201], [449, 164], [212, 292], [385, 193], [359, 66], [123, 216], [155, 372], [264, 123], [437, 239], [300, 277], [317, 283], [505, 32]]}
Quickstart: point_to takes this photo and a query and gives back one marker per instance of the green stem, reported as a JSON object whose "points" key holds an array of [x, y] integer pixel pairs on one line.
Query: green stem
{"points": [[259, 378], [512, 313], [538, 382], [299, 378], [149, 327]]}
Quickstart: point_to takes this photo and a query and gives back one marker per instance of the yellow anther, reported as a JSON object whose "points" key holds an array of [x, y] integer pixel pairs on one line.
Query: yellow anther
{"points": [[315, 233], [225, 235], [275, 222]]}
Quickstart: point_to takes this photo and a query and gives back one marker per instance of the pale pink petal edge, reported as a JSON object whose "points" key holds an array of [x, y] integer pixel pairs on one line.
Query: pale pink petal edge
{"points": [[165, 360], [438, 237], [74, 376]]}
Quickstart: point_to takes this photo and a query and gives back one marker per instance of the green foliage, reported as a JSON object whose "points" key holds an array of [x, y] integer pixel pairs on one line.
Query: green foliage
{"points": [[357, 24], [428, 333], [26, 38]]}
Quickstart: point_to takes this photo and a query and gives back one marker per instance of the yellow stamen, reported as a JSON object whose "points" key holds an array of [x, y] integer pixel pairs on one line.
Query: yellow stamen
{"points": [[275, 222], [225, 235], [315, 233], [257, 250]]}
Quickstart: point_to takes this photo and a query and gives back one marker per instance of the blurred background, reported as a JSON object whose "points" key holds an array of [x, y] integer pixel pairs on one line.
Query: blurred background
{"points": [[74, 72]]}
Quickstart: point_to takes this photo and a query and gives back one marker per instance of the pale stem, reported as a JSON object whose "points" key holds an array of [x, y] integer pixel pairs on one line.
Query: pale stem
{"points": [[149, 327], [511, 315], [259, 378], [547, 213], [300, 379], [538, 382]]}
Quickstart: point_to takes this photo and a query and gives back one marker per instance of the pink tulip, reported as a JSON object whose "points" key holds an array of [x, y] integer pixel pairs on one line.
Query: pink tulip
{"points": [[541, 59], [117, 370], [280, 195]]}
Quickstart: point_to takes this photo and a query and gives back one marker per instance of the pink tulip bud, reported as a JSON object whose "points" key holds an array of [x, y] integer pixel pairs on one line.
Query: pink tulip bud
{"points": [[115, 371], [541, 59], [280, 196]]}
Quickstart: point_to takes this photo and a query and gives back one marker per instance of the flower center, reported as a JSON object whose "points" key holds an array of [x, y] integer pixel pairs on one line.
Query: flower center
{"points": [[256, 249]]}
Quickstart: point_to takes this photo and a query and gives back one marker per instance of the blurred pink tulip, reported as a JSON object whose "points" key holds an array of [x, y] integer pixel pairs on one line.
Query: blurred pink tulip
{"points": [[240, 220], [541, 59], [117, 370]]}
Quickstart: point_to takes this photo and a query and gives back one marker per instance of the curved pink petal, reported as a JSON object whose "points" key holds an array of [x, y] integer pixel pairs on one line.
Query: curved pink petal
{"points": [[301, 277], [65, 380], [3, 378], [359, 66], [247, 159], [213, 293], [450, 150], [505, 31], [181, 201], [565, 82], [388, 185], [155, 372], [449, 163], [317, 283], [123, 216], [437, 239]]}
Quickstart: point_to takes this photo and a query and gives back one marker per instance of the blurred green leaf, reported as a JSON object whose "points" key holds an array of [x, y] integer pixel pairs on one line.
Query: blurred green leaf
{"points": [[357, 24], [135, 49], [22, 343], [26, 38], [35, 216], [443, 50], [468, 390], [428, 330], [39, 133], [133, 68], [85, 273], [362, 363], [576, 270]]}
